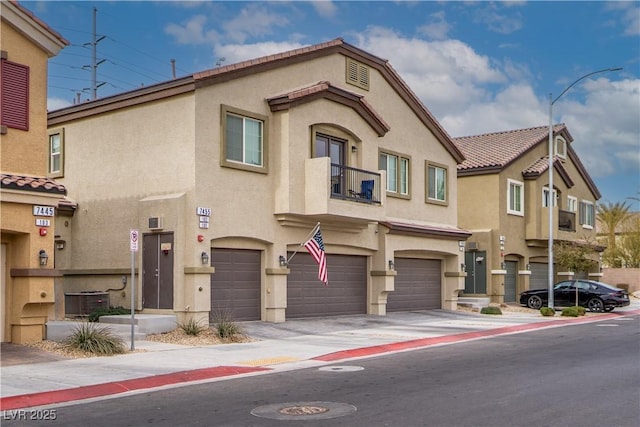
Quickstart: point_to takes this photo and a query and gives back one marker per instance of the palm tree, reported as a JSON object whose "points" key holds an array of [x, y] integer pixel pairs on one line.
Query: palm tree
{"points": [[610, 216]]}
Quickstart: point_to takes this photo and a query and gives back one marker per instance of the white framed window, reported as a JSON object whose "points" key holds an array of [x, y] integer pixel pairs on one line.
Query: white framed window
{"points": [[561, 148], [398, 169], [244, 145], [515, 197], [545, 197], [572, 204], [587, 214], [437, 187], [56, 153]]}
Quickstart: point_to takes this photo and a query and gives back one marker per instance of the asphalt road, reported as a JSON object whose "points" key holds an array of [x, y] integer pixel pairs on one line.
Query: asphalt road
{"points": [[582, 375]]}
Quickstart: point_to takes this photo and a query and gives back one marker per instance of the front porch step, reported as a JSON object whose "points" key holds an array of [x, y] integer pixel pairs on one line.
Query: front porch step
{"points": [[144, 323], [474, 302]]}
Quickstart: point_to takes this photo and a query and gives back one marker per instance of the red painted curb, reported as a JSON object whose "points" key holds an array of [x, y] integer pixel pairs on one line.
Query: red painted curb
{"points": [[116, 387], [465, 336], [98, 390]]}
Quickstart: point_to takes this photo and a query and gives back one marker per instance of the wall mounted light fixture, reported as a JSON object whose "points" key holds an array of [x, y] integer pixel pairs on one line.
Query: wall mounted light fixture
{"points": [[204, 257], [463, 268], [44, 258], [528, 267], [392, 266], [282, 261]]}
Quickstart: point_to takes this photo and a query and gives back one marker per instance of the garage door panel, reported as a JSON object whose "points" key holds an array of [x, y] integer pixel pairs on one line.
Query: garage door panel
{"points": [[417, 285], [539, 278], [235, 286], [345, 294]]}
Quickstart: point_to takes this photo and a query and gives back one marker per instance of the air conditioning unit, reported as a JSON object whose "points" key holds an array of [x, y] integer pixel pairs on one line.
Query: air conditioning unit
{"points": [[472, 246], [84, 303], [155, 223]]}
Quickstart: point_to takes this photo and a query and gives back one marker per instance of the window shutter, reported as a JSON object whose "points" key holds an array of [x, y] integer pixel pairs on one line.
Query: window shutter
{"points": [[581, 213], [14, 92]]}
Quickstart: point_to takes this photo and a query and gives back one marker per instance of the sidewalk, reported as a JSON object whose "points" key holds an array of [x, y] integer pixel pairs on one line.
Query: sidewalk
{"points": [[294, 344]]}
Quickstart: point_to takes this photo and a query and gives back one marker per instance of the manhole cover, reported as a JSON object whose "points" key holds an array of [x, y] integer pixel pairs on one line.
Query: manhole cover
{"points": [[303, 410], [341, 368]]}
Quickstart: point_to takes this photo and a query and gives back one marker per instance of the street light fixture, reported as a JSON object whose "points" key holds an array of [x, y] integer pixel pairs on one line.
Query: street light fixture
{"points": [[550, 198]]}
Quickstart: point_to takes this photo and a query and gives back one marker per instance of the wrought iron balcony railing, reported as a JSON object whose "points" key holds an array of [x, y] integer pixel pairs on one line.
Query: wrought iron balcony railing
{"points": [[355, 184]]}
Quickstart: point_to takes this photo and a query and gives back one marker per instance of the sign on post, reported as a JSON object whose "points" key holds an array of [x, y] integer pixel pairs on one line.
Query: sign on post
{"points": [[133, 240]]}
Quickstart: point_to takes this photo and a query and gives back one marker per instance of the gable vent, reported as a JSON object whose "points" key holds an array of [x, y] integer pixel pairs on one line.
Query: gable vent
{"points": [[357, 74]]}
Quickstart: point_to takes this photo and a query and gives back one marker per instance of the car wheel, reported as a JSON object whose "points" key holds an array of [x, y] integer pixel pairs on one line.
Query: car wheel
{"points": [[595, 305], [608, 309], [534, 301]]}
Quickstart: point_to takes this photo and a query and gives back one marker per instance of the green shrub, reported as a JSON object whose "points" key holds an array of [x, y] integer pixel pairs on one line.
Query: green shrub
{"points": [[570, 312], [192, 327], [96, 339], [490, 310], [581, 310], [547, 311], [94, 316], [225, 327]]}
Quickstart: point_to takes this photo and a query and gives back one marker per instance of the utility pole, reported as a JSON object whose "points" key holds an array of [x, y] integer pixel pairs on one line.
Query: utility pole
{"points": [[94, 59]]}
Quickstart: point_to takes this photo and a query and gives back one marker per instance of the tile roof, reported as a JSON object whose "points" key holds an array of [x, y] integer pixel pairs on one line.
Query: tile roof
{"points": [[497, 150], [246, 68], [31, 183], [40, 22], [327, 90]]}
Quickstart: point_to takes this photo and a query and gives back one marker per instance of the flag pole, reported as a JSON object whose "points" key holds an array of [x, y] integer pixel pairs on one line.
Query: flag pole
{"points": [[303, 241]]}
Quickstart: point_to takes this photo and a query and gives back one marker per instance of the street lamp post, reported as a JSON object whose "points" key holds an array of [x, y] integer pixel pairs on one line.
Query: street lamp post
{"points": [[550, 198]]}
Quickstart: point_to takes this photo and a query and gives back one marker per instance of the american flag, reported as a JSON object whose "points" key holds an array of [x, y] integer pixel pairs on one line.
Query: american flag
{"points": [[315, 246]]}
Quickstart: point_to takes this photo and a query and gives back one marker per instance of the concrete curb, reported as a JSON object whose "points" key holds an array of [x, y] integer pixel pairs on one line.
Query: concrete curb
{"points": [[218, 372]]}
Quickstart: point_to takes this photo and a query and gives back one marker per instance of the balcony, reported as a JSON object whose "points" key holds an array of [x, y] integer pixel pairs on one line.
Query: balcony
{"points": [[342, 192], [564, 227], [566, 220], [354, 184]]}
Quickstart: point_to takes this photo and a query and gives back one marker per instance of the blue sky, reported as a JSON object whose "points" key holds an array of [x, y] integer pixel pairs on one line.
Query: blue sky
{"points": [[479, 67]]}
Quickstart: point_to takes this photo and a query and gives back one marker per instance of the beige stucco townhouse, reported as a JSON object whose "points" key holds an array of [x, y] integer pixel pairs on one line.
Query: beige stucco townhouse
{"points": [[29, 195], [503, 199], [224, 174]]}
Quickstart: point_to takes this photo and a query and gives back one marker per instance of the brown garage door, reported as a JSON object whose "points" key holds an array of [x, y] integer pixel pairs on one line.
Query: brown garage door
{"points": [[417, 285], [346, 293], [235, 286], [539, 276]]}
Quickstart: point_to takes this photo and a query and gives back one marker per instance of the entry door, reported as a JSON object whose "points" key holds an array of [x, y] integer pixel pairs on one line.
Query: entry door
{"points": [[476, 280], [334, 148], [510, 281], [157, 264]]}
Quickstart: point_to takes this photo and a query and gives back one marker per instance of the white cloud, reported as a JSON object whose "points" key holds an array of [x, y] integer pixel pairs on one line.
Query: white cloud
{"points": [[192, 32], [325, 8], [254, 20], [498, 22], [437, 29], [240, 52], [606, 126], [57, 103]]}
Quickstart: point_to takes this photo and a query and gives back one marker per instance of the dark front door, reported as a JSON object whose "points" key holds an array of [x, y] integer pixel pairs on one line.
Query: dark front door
{"points": [[511, 281], [157, 271], [476, 280]]}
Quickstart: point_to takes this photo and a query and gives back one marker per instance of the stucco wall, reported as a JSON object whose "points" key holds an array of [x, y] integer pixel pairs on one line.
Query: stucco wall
{"points": [[617, 276]]}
